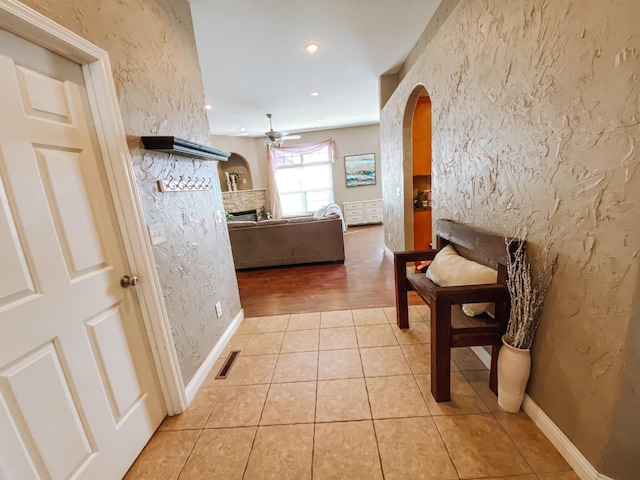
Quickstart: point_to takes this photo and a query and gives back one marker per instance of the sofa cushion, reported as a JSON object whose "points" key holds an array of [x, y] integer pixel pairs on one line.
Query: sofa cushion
{"points": [[273, 221], [301, 219], [241, 224], [448, 269]]}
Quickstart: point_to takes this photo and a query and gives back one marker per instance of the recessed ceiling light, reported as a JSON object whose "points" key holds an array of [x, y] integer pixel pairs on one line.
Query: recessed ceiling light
{"points": [[319, 120], [208, 107], [242, 129], [315, 94], [311, 47]]}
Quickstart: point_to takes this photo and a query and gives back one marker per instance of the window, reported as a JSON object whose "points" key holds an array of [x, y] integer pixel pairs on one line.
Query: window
{"points": [[305, 180]]}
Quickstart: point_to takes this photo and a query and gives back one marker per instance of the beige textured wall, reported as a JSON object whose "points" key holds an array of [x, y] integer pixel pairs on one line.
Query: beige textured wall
{"points": [[535, 121], [348, 141], [252, 149], [157, 76], [622, 454]]}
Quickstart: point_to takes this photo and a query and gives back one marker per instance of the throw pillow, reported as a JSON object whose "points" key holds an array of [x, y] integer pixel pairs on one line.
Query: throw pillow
{"points": [[448, 269]]}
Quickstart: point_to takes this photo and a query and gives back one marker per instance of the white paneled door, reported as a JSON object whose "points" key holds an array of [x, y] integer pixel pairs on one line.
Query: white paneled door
{"points": [[79, 395]]}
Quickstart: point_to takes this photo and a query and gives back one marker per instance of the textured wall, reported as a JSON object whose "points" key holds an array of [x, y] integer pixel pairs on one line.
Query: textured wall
{"points": [[622, 455], [157, 76], [535, 121]]}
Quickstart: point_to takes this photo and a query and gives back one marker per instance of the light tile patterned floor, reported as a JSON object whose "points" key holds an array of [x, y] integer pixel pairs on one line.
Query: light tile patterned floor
{"points": [[345, 395]]}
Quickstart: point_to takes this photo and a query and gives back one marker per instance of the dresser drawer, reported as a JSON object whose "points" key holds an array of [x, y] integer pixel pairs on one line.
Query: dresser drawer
{"points": [[355, 219], [355, 211], [353, 206], [361, 213]]}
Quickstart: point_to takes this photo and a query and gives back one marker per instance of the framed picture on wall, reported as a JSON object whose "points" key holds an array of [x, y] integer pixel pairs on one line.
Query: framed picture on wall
{"points": [[360, 169]]}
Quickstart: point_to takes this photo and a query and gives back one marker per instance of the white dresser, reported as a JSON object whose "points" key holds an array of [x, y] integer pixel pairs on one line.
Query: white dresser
{"points": [[362, 213]]}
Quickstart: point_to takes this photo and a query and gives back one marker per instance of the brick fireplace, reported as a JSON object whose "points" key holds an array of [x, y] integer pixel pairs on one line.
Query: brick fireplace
{"points": [[244, 200]]}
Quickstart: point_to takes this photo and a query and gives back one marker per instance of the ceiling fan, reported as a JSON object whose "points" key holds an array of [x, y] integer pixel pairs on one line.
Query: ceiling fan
{"points": [[275, 138]]}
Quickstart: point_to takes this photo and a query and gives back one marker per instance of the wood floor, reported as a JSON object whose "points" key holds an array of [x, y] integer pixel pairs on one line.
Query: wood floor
{"points": [[365, 280]]}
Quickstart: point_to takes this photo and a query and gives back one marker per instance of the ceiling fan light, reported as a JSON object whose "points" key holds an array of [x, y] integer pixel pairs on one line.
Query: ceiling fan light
{"points": [[314, 94], [311, 47]]}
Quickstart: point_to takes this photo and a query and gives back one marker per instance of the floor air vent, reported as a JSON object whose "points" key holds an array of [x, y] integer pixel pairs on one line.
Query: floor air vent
{"points": [[224, 371]]}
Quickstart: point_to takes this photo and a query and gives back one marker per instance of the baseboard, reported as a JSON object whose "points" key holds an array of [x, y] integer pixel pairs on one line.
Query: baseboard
{"points": [[568, 450], [388, 253], [207, 365], [483, 355]]}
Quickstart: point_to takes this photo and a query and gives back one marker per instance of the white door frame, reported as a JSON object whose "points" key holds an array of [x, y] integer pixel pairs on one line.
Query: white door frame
{"points": [[31, 25]]}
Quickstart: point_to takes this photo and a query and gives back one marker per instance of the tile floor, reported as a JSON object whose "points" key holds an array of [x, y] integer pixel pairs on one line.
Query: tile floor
{"points": [[345, 395]]}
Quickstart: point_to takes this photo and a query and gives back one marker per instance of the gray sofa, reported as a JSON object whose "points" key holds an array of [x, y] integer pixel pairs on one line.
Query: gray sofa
{"points": [[294, 241]]}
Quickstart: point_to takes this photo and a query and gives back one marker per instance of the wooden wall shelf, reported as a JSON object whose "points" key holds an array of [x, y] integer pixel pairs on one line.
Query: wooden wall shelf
{"points": [[185, 148]]}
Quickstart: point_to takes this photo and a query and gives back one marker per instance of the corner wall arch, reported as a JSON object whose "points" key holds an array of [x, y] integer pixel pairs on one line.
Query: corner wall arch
{"points": [[236, 163]]}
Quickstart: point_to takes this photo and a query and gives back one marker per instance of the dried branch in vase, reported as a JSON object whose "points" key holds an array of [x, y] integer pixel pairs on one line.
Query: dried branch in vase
{"points": [[528, 291]]}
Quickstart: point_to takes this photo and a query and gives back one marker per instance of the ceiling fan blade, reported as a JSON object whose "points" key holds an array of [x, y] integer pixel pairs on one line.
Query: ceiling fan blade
{"points": [[292, 137], [273, 135]]}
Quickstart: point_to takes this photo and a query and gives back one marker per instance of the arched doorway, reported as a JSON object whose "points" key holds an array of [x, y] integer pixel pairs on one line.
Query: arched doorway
{"points": [[239, 165], [417, 170]]}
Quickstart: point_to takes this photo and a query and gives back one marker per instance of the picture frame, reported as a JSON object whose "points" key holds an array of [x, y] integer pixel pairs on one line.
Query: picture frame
{"points": [[360, 170]]}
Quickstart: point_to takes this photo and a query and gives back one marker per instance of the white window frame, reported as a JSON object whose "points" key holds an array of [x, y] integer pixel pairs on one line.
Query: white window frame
{"points": [[301, 167]]}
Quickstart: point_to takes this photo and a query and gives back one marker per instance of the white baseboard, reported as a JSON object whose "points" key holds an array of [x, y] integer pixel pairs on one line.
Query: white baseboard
{"points": [[388, 253], [207, 365], [603, 477], [568, 450], [483, 355]]}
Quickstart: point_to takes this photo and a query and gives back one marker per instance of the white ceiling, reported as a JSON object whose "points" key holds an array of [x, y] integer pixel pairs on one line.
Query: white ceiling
{"points": [[253, 62]]}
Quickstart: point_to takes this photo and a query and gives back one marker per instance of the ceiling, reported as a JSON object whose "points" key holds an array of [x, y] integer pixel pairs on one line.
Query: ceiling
{"points": [[253, 62]]}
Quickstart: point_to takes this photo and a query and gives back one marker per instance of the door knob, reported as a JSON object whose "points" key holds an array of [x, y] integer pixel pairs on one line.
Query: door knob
{"points": [[128, 281]]}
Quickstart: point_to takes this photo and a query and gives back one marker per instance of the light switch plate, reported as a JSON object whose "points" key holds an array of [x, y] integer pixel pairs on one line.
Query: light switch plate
{"points": [[156, 233], [218, 216], [218, 309]]}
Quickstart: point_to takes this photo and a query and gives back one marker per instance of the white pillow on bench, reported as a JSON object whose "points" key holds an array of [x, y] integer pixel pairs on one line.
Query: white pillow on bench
{"points": [[448, 269]]}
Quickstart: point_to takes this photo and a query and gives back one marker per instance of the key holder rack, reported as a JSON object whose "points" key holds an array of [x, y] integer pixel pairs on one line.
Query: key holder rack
{"points": [[184, 184]]}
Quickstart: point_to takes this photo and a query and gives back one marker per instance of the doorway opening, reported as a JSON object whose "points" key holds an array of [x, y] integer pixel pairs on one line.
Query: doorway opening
{"points": [[417, 170]]}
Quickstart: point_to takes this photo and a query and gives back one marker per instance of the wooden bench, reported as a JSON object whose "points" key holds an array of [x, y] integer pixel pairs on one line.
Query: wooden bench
{"points": [[450, 327]]}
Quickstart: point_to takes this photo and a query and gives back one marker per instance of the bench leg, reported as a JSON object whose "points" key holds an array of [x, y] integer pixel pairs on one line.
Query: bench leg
{"points": [[402, 312], [441, 350], [402, 301], [493, 373]]}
